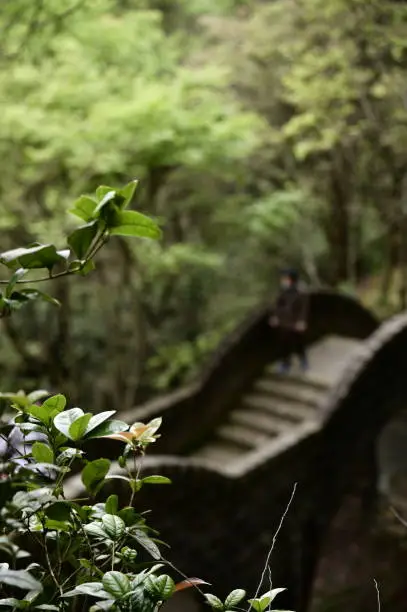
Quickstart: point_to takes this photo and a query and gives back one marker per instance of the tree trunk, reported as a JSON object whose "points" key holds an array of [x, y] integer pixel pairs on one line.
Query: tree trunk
{"points": [[390, 264], [403, 245], [338, 224]]}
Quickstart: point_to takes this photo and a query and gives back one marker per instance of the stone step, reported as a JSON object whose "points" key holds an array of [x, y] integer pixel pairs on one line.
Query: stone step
{"points": [[218, 452], [296, 378], [260, 421], [292, 412], [244, 437], [302, 394]]}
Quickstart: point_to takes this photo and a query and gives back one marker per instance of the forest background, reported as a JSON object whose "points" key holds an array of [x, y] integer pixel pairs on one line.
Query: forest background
{"points": [[262, 133]]}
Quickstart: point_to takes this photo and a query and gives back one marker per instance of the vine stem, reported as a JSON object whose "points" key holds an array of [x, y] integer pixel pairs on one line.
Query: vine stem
{"points": [[50, 568], [42, 279], [280, 525], [379, 604], [98, 245], [137, 465]]}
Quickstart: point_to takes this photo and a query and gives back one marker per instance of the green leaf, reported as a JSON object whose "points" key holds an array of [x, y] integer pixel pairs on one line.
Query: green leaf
{"points": [[52, 525], [129, 515], [153, 426], [7, 547], [24, 296], [160, 587], [214, 601], [87, 268], [29, 427], [46, 607], [60, 440], [112, 504], [20, 399], [81, 239], [32, 500], [147, 543], [84, 208], [262, 603], [107, 428], [94, 589], [128, 192], [59, 511], [85, 563], [39, 412], [96, 530], [102, 191], [117, 584], [41, 467], [139, 601], [78, 427], [114, 526], [64, 420], [35, 294], [98, 419], [271, 595], [106, 207], [20, 579], [234, 598], [41, 256], [68, 454], [156, 480], [10, 602], [42, 453], [132, 223], [94, 473], [18, 275], [55, 404], [258, 605]]}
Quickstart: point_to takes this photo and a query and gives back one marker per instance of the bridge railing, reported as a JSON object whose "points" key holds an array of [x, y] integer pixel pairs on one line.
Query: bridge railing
{"points": [[191, 414]]}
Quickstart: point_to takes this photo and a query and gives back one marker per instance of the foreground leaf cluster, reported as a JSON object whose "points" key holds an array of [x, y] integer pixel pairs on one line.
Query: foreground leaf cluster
{"points": [[96, 553]]}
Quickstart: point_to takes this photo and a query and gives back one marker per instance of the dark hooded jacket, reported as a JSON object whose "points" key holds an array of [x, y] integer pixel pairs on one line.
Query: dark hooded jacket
{"points": [[291, 307]]}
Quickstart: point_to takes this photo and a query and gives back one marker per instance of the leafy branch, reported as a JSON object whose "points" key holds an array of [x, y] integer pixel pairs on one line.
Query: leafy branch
{"points": [[105, 215], [100, 543]]}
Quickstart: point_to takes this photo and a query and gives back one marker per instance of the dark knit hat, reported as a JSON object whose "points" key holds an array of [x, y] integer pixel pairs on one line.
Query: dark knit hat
{"points": [[292, 273]]}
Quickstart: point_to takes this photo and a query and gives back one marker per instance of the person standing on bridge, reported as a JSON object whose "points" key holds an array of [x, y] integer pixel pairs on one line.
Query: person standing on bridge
{"points": [[290, 317]]}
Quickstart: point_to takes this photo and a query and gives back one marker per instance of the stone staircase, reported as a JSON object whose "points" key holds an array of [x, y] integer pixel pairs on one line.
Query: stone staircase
{"points": [[276, 405]]}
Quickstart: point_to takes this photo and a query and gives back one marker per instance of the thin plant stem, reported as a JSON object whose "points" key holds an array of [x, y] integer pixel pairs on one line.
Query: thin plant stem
{"points": [[379, 605], [42, 279], [50, 568], [280, 525], [100, 241]]}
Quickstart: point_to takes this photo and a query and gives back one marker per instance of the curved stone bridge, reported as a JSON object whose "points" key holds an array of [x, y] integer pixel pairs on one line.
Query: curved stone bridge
{"points": [[236, 442]]}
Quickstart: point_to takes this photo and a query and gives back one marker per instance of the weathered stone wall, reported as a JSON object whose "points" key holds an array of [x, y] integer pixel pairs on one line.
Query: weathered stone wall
{"points": [[371, 392]]}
